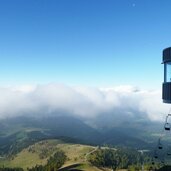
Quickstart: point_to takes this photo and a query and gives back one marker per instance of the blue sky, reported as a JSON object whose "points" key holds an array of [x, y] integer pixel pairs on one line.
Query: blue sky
{"points": [[84, 42]]}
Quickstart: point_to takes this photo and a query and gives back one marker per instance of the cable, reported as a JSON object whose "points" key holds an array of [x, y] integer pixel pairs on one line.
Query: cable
{"points": [[157, 150]]}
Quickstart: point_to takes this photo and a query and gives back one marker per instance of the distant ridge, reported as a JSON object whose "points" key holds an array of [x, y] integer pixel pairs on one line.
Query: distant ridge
{"points": [[19, 132]]}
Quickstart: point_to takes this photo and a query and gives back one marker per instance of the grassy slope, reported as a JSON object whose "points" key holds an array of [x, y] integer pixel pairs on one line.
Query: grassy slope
{"points": [[30, 156]]}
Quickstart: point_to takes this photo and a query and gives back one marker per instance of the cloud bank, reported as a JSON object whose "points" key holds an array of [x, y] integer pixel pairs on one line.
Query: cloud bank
{"points": [[85, 102]]}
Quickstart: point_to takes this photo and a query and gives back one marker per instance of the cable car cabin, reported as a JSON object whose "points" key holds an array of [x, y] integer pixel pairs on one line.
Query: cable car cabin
{"points": [[160, 147], [160, 144], [168, 153], [155, 156], [166, 88], [167, 126], [162, 162]]}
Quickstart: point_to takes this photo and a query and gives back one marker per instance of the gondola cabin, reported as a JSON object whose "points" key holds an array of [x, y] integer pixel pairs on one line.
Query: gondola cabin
{"points": [[166, 88], [167, 127], [168, 153], [160, 147], [155, 156]]}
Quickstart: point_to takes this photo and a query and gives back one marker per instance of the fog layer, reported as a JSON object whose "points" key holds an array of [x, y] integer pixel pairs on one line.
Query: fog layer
{"points": [[85, 102]]}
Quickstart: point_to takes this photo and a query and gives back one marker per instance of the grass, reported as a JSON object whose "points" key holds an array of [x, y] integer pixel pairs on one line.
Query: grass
{"points": [[75, 152]]}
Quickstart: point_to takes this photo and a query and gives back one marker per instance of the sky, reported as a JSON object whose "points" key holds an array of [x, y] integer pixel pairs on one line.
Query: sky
{"points": [[83, 57], [99, 43]]}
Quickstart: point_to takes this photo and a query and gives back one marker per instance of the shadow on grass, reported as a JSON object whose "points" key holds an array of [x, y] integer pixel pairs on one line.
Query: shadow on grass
{"points": [[165, 168], [71, 168]]}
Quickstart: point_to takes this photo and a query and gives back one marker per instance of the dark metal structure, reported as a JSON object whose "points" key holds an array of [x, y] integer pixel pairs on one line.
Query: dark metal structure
{"points": [[166, 89], [166, 96]]}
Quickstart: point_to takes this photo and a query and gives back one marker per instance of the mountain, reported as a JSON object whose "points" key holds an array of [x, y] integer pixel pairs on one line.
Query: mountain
{"points": [[19, 132], [133, 126]]}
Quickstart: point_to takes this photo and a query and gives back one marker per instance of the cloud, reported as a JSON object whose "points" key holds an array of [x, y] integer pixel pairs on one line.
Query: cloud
{"points": [[85, 102]]}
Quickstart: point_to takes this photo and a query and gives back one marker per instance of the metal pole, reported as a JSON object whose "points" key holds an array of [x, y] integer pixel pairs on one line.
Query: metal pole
{"points": [[142, 161]]}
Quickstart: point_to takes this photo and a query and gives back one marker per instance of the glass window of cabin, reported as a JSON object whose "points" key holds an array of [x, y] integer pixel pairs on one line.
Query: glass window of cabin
{"points": [[167, 77]]}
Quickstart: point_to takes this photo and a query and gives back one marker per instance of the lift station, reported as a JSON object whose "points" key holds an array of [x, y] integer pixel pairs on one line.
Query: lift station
{"points": [[166, 96], [166, 88]]}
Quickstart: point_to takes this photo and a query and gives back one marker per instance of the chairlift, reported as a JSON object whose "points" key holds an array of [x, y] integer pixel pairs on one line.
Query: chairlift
{"points": [[167, 126]]}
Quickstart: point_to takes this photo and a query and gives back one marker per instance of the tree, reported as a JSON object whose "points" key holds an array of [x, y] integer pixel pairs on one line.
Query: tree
{"points": [[57, 160], [53, 164], [105, 158]]}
